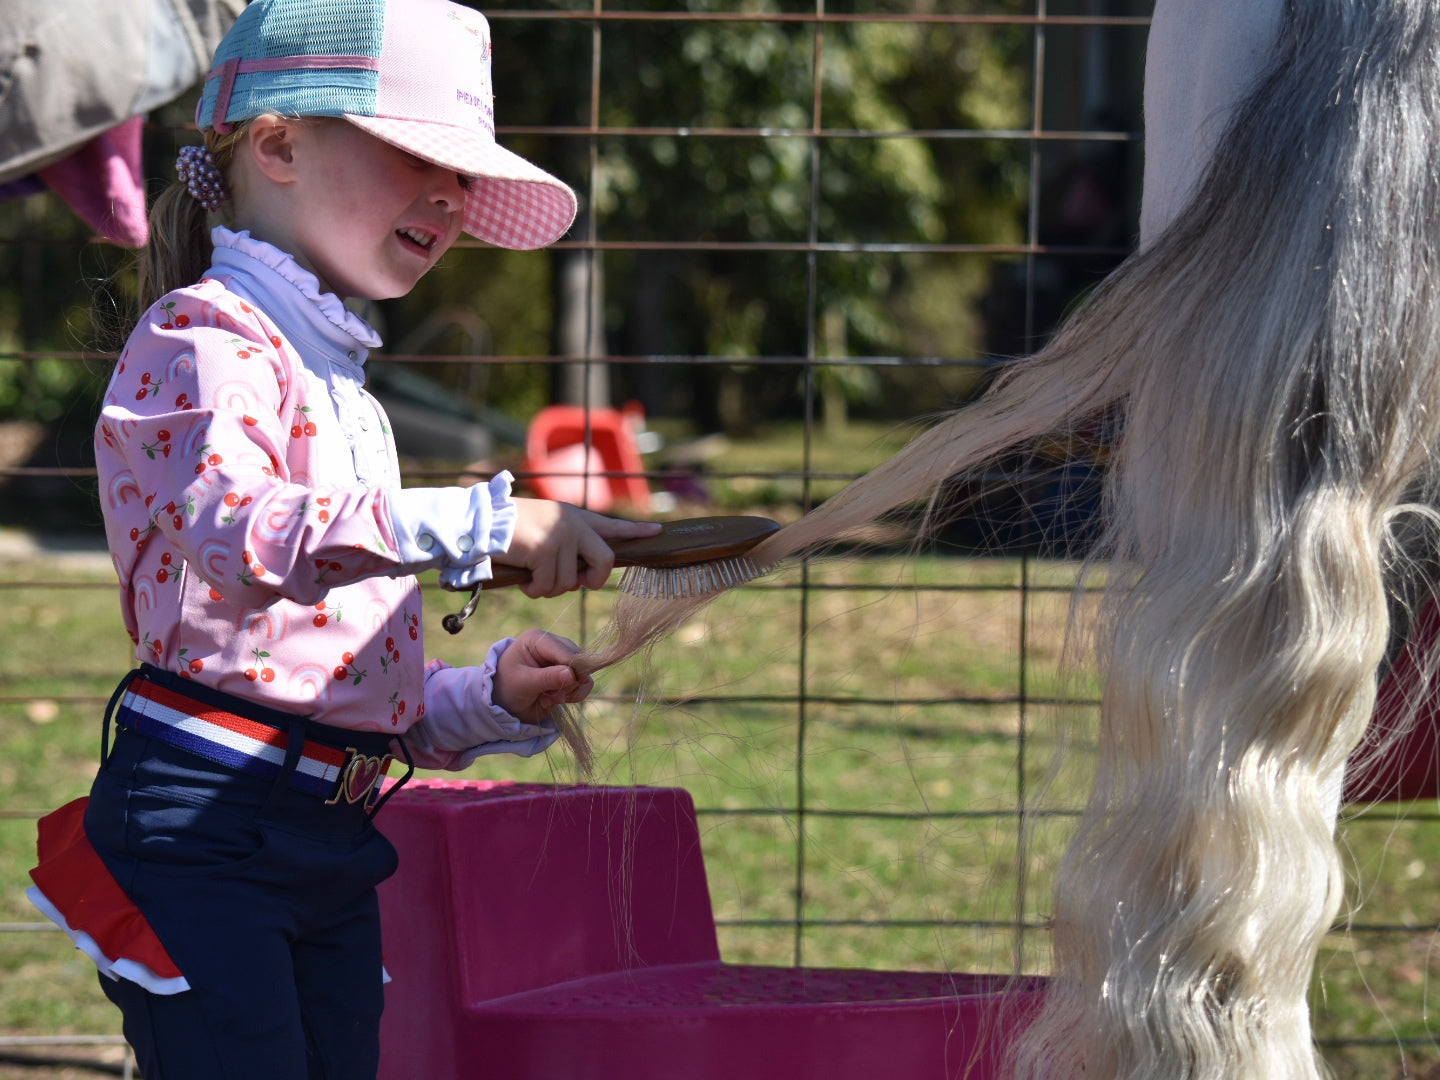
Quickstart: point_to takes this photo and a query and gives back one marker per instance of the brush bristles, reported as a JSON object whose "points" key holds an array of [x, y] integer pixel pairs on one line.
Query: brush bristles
{"points": [[681, 582], [658, 583]]}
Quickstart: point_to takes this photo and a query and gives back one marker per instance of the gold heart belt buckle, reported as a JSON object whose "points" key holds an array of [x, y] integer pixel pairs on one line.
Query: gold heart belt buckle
{"points": [[360, 778]]}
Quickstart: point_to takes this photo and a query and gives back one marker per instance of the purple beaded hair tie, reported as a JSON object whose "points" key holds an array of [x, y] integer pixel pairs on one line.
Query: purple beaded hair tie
{"points": [[196, 169]]}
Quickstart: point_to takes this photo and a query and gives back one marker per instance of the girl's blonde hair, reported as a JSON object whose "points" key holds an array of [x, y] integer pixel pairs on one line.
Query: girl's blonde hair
{"points": [[1275, 354], [179, 249]]}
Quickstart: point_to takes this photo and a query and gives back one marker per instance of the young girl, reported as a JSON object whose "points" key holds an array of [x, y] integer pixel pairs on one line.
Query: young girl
{"points": [[267, 552]]}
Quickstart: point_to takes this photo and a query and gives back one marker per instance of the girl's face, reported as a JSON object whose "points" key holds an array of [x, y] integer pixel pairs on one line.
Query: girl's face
{"points": [[366, 217]]}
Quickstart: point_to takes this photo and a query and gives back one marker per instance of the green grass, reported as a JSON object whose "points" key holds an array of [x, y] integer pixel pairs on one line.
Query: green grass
{"points": [[764, 469], [903, 835]]}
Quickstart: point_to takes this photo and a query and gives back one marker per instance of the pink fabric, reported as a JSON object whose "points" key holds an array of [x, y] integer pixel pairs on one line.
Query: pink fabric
{"points": [[443, 78], [102, 181], [250, 557], [1410, 767]]}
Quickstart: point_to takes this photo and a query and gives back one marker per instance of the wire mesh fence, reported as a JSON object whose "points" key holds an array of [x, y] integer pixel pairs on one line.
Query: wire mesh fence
{"points": [[803, 228]]}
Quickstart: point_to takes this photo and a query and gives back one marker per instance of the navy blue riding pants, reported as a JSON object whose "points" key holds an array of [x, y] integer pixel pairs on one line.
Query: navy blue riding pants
{"points": [[264, 896]]}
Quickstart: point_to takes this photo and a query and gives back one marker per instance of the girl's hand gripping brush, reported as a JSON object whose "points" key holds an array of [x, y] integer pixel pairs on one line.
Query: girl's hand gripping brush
{"points": [[686, 558]]}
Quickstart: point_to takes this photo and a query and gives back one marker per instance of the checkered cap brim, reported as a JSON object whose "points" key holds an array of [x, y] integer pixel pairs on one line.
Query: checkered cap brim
{"points": [[511, 203]]}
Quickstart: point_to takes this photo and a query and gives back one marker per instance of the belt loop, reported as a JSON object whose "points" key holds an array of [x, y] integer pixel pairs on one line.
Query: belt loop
{"points": [[294, 747], [124, 685], [409, 772]]}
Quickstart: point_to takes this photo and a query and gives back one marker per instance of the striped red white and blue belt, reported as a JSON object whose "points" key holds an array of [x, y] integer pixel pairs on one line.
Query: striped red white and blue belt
{"points": [[251, 746]]}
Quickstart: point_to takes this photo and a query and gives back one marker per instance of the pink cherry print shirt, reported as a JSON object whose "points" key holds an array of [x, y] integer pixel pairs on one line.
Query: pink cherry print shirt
{"points": [[253, 507]]}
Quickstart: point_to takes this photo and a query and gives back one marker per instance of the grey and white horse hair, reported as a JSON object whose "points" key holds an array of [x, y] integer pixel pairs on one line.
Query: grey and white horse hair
{"points": [[1274, 350]]}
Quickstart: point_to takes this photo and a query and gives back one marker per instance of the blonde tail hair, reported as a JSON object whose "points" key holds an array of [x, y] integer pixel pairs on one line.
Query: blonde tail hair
{"points": [[1277, 354]]}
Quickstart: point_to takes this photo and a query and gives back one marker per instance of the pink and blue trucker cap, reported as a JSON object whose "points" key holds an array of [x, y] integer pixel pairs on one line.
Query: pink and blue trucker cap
{"points": [[415, 73]]}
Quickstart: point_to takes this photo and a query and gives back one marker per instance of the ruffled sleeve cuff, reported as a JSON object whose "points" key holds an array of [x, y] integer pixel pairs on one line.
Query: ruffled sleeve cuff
{"points": [[462, 721], [454, 530]]}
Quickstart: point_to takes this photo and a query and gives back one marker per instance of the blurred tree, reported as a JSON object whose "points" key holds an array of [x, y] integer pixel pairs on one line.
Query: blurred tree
{"points": [[719, 141], [55, 290], [744, 212]]}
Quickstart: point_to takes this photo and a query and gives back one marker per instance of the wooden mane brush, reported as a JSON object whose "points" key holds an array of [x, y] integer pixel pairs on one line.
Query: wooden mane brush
{"points": [[689, 557]]}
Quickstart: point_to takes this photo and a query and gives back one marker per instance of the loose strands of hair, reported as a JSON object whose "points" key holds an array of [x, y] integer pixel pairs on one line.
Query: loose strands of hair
{"points": [[179, 249], [1277, 354]]}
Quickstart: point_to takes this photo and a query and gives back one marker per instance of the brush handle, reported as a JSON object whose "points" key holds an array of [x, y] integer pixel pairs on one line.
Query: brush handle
{"points": [[678, 543], [688, 542]]}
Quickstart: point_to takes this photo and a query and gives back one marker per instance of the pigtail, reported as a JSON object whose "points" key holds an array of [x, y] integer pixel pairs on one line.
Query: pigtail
{"points": [[179, 250]]}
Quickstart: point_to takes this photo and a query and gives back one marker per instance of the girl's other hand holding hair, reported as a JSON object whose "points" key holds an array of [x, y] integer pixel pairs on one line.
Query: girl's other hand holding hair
{"points": [[534, 675], [565, 547]]}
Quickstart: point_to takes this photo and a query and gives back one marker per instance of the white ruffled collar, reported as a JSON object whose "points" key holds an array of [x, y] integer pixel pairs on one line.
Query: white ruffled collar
{"points": [[315, 302]]}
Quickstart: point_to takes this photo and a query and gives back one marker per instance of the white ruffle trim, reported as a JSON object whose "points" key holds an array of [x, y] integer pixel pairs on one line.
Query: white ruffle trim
{"points": [[131, 970], [283, 263]]}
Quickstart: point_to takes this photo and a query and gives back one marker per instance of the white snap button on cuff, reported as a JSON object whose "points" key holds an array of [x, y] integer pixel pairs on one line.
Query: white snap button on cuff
{"points": [[425, 541]]}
